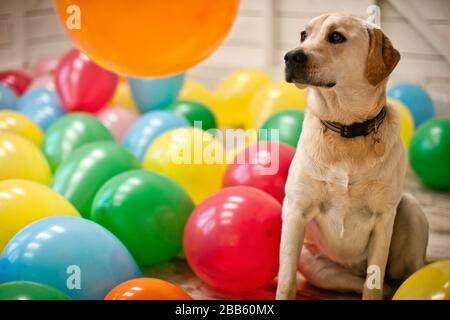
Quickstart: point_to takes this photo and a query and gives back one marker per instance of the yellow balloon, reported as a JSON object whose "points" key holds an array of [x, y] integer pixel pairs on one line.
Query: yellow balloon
{"points": [[406, 121], [190, 156], [23, 202], [16, 122], [122, 97], [432, 282], [234, 94], [21, 159], [196, 91], [274, 97]]}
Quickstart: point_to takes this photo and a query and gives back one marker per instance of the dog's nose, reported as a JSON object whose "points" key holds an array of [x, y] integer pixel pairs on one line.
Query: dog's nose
{"points": [[297, 56]]}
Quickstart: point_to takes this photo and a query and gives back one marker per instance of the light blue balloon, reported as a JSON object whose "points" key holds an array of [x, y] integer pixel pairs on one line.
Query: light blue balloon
{"points": [[148, 127], [155, 93], [58, 251], [8, 99], [42, 106], [416, 99]]}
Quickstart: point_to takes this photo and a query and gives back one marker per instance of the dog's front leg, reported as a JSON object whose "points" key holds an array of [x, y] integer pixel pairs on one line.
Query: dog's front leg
{"points": [[378, 253], [292, 235]]}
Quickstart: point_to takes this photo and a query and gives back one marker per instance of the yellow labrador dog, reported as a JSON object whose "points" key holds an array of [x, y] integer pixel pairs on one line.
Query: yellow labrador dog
{"points": [[345, 217]]}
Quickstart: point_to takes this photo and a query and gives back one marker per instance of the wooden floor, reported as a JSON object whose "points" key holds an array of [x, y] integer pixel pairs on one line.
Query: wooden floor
{"points": [[435, 204]]}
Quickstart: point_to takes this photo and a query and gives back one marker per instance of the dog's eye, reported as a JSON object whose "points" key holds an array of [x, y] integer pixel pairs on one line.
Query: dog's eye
{"points": [[336, 37], [303, 36]]}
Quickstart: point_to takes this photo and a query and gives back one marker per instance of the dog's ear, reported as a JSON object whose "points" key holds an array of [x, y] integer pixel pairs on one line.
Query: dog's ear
{"points": [[382, 57]]}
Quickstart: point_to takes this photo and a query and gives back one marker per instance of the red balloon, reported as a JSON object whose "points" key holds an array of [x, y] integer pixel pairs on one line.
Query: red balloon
{"points": [[232, 239], [17, 80], [81, 84], [264, 165]]}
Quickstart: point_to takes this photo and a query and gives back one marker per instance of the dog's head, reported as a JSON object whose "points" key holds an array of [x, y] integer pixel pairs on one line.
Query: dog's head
{"points": [[338, 49]]}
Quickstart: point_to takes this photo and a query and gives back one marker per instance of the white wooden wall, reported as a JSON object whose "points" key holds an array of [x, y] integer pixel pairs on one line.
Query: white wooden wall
{"points": [[263, 32]]}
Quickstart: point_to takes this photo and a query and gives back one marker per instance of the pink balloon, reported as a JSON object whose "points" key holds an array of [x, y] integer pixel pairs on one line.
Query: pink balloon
{"points": [[45, 65], [117, 120], [46, 81], [81, 84]]}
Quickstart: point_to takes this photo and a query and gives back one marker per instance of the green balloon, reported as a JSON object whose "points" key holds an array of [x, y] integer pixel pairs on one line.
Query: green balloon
{"points": [[80, 177], [24, 290], [194, 111], [288, 122], [429, 153], [69, 133], [147, 211]]}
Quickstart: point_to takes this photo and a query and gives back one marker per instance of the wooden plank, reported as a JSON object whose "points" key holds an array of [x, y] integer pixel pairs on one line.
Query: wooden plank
{"points": [[422, 27], [311, 8], [31, 5], [41, 26], [247, 30], [406, 38], [436, 11], [250, 8], [7, 60], [5, 31], [236, 57], [208, 75], [36, 50], [6, 7]]}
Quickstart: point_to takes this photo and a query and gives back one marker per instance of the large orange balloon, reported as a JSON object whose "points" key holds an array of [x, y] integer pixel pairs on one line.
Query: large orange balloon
{"points": [[147, 289], [147, 38]]}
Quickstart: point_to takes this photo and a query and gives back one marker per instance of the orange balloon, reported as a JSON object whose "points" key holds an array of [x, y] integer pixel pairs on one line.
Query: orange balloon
{"points": [[147, 38], [147, 289]]}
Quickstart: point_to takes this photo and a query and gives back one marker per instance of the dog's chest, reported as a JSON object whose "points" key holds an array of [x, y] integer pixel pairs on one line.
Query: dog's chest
{"points": [[342, 228]]}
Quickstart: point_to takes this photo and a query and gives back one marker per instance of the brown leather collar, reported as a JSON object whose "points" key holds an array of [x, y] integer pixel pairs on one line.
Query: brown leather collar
{"points": [[357, 129]]}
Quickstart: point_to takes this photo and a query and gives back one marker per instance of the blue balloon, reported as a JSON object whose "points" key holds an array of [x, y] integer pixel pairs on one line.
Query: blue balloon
{"points": [[42, 106], [416, 99], [155, 93], [8, 99], [74, 255], [148, 127]]}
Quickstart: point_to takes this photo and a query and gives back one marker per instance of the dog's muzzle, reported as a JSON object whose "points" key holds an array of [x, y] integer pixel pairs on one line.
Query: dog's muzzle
{"points": [[295, 62]]}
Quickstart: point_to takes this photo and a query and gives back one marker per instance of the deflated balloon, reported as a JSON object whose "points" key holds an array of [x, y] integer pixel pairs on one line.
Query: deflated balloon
{"points": [[80, 177], [69, 133]]}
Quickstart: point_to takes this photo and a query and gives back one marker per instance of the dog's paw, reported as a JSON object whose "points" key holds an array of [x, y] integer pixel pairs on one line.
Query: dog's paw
{"points": [[286, 294], [372, 294]]}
